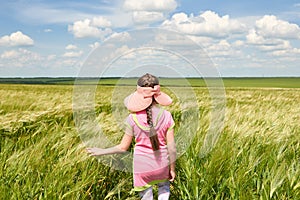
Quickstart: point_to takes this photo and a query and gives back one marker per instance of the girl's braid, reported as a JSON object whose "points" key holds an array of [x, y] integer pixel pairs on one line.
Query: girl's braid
{"points": [[149, 80]]}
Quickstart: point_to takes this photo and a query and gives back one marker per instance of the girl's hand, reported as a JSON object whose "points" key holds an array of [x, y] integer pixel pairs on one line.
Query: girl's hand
{"points": [[172, 175], [94, 151]]}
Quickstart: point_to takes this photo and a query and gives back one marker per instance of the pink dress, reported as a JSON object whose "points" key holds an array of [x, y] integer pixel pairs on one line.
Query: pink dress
{"points": [[149, 168]]}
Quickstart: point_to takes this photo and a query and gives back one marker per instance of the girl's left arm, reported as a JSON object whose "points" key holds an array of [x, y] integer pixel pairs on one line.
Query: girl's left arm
{"points": [[118, 149]]}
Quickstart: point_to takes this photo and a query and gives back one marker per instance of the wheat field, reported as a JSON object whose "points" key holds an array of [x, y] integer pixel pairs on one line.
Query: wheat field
{"points": [[257, 155]]}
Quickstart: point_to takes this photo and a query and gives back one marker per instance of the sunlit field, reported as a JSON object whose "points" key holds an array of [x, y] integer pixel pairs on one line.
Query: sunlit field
{"points": [[257, 155]]}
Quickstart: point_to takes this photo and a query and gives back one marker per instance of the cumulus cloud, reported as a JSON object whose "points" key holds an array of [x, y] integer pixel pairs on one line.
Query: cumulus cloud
{"points": [[270, 26], [223, 49], [141, 17], [201, 40], [266, 44], [19, 58], [239, 43], [73, 54], [114, 38], [118, 52], [122, 37], [150, 5], [123, 49], [94, 45], [254, 38], [71, 47], [9, 54], [23, 59], [277, 45], [100, 22], [167, 39], [98, 27], [16, 39], [149, 11], [292, 53], [272, 34], [206, 24]]}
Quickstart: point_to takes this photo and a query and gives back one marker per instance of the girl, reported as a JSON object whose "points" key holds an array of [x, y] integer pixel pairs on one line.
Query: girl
{"points": [[153, 130]]}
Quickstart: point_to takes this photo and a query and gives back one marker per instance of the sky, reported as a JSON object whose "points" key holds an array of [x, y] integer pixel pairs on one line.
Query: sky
{"points": [[43, 38]]}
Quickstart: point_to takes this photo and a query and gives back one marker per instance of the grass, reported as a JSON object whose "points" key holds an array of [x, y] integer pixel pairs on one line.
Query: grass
{"points": [[273, 82], [257, 155]]}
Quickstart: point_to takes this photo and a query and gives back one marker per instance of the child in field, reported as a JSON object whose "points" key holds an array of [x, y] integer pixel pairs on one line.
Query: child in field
{"points": [[152, 127]]}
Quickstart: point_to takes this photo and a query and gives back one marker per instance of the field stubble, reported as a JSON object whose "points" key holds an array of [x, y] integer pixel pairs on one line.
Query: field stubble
{"points": [[42, 156]]}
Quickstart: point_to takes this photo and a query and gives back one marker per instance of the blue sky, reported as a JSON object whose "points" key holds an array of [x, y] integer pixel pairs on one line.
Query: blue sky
{"points": [[242, 38]]}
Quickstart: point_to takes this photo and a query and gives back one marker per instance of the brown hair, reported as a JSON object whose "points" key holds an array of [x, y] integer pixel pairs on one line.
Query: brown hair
{"points": [[149, 80]]}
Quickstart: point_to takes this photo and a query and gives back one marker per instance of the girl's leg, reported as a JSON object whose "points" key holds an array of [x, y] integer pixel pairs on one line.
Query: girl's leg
{"points": [[163, 190], [146, 194]]}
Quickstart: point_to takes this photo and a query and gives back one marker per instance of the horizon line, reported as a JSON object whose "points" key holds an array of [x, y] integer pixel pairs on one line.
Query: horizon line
{"points": [[118, 77]]}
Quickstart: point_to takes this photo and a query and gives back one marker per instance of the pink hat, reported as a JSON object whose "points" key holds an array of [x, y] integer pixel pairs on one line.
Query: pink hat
{"points": [[142, 98]]}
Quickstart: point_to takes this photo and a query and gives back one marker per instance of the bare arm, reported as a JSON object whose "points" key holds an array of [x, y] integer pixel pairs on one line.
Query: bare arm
{"points": [[172, 153], [120, 148]]}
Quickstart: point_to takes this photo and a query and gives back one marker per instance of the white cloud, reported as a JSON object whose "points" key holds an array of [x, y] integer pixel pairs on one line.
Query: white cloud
{"points": [[290, 53], [149, 11], [141, 17], [208, 24], [22, 62], [67, 63], [239, 43], [63, 12], [51, 57], [119, 52], [82, 29], [94, 45], [73, 54], [167, 39], [100, 22], [201, 40], [223, 45], [16, 39], [67, 12], [277, 45], [150, 5], [122, 37], [71, 47], [254, 38], [223, 49], [19, 58], [270, 34], [222, 36], [270, 26], [9, 54], [114, 38], [97, 28]]}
